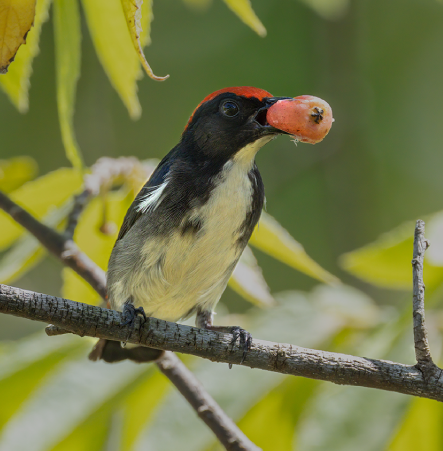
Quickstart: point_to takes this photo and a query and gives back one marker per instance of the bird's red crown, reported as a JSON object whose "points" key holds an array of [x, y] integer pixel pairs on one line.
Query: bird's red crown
{"points": [[244, 91]]}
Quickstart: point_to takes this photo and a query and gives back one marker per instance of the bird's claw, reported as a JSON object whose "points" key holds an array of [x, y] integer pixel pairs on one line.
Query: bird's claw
{"points": [[130, 313], [245, 340]]}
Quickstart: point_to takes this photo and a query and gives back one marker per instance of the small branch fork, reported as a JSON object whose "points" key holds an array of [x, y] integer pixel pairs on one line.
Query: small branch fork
{"points": [[422, 352]]}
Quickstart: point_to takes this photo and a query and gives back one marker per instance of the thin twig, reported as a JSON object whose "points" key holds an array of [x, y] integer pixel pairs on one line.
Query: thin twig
{"points": [[207, 409], [66, 250], [84, 319], [52, 331], [422, 351], [80, 202]]}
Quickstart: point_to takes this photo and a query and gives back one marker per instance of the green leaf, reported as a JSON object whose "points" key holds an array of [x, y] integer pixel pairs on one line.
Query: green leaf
{"points": [[16, 82], [112, 42], [16, 171], [387, 261], [248, 281], [133, 12], [28, 252], [67, 37], [270, 237], [245, 12], [24, 366], [96, 244], [38, 197]]}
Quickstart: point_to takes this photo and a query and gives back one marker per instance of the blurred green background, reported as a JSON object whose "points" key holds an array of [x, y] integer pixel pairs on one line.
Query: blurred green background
{"points": [[380, 66]]}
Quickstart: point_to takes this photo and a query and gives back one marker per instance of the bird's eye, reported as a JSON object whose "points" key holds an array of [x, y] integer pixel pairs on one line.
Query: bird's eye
{"points": [[229, 108]]}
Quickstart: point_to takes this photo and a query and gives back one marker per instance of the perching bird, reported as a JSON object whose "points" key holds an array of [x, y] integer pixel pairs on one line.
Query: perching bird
{"points": [[186, 229]]}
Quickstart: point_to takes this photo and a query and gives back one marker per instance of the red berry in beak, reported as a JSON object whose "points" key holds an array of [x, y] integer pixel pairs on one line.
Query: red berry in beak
{"points": [[307, 118]]}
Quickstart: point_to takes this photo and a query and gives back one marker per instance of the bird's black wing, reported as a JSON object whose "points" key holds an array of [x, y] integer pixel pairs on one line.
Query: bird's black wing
{"points": [[156, 179]]}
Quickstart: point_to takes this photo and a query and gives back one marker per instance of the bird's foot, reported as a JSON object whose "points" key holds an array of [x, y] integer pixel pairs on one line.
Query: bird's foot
{"points": [[245, 339], [204, 321], [130, 313]]}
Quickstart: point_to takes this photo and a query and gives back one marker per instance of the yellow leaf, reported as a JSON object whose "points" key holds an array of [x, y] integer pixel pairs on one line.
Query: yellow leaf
{"points": [[270, 237], [278, 411], [138, 413], [67, 36], [27, 363], [21, 258], [96, 244], [133, 11], [16, 171], [16, 82], [245, 12], [38, 197], [28, 251], [146, 18], [421, 428], [387, 261], [90, 434], [114, 48], [96, 412], [16, 18]]}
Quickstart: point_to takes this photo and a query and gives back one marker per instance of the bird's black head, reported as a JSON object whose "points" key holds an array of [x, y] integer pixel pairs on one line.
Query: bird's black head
{"points": [[227, 121]]}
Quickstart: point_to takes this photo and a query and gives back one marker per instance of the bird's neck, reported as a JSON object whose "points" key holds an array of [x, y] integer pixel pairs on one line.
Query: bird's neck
{"points": [[245, 157], [214, 155]]}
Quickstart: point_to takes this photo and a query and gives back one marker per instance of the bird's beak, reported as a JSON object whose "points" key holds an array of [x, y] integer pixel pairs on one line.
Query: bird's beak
{"points": [[261, 120], [307, 118]]}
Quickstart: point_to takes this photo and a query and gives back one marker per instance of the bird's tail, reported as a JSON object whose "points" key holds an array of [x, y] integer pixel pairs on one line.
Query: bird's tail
{"points": [[111, 352]]}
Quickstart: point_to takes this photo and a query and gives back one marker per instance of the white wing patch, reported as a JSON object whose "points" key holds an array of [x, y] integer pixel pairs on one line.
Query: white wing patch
{"points": [[152, 199]]}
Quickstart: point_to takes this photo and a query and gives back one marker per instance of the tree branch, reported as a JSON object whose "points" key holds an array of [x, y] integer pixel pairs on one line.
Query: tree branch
{"points": [[84, 319], [422, 351], [207, 409]]}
